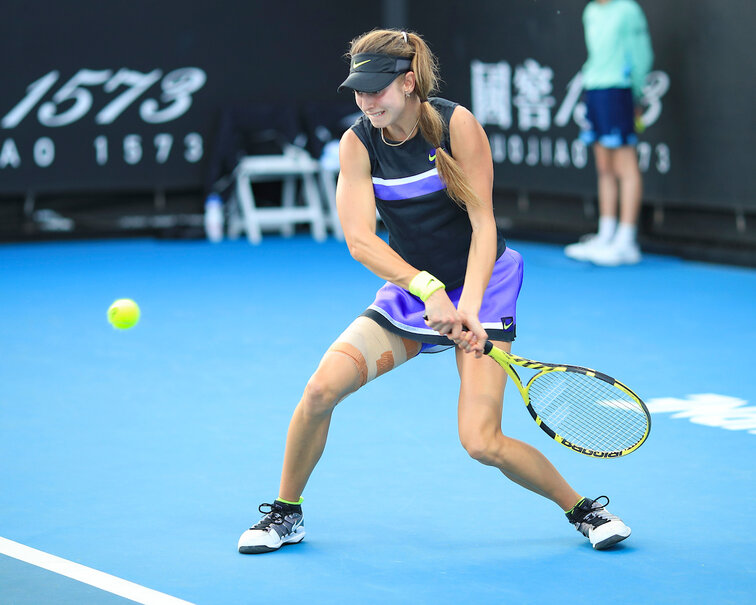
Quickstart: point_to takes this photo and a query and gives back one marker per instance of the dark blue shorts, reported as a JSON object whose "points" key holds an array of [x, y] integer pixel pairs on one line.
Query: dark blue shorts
{"points": [[611, 114], [402, 313]]}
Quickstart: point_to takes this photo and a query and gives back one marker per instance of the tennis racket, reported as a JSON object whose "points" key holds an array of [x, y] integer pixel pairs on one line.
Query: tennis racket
{"points": [[587, 411]]}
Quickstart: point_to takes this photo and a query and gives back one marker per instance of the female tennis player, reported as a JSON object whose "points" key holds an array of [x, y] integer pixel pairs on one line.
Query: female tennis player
{"points": [[425, 163]]}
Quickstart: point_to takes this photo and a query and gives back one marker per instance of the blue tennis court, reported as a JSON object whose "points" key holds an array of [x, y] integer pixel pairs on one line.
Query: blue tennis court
{"points": [[144, 454]]}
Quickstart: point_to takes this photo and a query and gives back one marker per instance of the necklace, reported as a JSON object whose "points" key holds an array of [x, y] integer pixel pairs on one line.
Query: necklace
{"points": [[405, 139]]}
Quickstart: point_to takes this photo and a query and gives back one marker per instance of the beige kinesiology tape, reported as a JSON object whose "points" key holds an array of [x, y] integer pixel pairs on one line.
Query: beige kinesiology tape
{"points": [[374, 350]]}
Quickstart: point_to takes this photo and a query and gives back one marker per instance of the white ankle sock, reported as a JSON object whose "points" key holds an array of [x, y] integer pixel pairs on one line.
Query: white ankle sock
{"points": [[625, 235], [606, 229]]}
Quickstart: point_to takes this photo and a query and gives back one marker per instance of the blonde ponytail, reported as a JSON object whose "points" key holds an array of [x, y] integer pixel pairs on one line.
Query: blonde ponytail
{"points": [[458, 187]]}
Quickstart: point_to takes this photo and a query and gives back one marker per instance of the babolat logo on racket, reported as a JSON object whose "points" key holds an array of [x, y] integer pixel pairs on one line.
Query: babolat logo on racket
{"points": [[589, 452]]}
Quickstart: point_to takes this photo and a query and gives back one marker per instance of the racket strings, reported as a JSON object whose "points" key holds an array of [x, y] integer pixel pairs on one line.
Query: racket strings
{"points": [[587, 411], [594, 418]]}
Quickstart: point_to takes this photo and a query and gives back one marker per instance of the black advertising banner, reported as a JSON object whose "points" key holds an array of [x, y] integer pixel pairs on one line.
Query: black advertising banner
{"points": [[124, 95], [118, 95], [517, 65]]}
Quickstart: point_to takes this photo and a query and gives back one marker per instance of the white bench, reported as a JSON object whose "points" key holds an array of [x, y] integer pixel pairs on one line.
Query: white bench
{"points": [[294, 167]]}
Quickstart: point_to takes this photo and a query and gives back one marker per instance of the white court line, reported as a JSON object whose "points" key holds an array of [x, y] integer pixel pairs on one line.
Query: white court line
{"points": [[80, 573]]}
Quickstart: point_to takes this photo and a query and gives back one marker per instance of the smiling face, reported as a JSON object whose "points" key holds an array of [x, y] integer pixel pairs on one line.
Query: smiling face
{"points": [[386, 106]]}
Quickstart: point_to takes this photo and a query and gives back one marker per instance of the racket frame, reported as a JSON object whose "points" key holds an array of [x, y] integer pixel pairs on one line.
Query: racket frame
{"points": [[507, 360]]}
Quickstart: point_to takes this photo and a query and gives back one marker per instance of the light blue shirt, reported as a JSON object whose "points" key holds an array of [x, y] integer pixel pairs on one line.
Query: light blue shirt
{"points": [[619, 47]]}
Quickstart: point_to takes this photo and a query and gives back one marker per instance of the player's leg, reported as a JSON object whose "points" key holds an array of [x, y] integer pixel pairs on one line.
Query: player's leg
{"points": [[479, 417], [283, 521], [362, 352], [336, 377], [480, 408]]}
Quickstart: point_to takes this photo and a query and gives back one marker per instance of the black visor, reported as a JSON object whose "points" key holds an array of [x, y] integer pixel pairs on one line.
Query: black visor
{"points": [[371, 72]]}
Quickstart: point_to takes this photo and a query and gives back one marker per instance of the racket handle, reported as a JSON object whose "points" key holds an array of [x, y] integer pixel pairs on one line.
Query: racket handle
{"points": [[486, 347]]}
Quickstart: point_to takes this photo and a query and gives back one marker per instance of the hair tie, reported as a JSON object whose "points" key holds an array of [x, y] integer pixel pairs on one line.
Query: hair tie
{"points": [[405, 37]]}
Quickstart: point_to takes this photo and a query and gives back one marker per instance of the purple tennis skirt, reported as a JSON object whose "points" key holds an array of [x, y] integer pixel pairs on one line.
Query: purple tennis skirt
{"points": [[400, 312]]}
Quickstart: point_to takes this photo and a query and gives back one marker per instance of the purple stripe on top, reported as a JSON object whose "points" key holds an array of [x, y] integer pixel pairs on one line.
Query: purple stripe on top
{"points": [[403, 191]]}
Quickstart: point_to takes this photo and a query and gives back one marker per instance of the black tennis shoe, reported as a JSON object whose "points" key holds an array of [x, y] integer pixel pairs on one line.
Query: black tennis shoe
{"points": [[281, 524], [601, 527]]}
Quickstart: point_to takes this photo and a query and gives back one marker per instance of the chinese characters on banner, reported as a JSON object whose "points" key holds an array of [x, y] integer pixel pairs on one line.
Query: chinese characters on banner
{"points": [[522, 99]]}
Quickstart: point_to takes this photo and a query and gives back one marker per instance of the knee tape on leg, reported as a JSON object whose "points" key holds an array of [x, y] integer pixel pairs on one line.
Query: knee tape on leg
{"points": [[373, 349]]}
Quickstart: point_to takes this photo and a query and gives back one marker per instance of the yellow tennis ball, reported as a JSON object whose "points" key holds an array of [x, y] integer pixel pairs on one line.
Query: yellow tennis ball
{"points": [[123, 314]]}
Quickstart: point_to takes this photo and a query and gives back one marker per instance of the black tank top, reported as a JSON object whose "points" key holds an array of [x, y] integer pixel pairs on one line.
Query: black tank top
{"points": [[426, 228]]}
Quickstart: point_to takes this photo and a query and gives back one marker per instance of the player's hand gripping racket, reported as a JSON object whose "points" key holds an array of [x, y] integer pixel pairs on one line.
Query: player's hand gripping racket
{"points": [[584, 410]]}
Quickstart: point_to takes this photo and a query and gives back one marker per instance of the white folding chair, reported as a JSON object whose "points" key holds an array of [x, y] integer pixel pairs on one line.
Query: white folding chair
{"points": [[298, 172], [328, 173]]}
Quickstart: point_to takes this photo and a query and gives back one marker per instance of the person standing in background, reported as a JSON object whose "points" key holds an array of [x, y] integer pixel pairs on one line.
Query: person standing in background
{"points": [[619, 59]]}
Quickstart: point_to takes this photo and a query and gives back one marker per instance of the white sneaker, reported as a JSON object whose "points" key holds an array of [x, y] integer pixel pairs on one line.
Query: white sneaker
{"points": [[597, 524], [583, 249], [214, 218], [614, 255], [281, 524]]}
